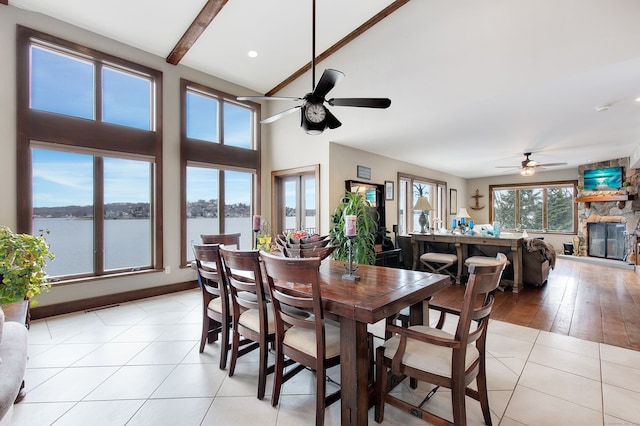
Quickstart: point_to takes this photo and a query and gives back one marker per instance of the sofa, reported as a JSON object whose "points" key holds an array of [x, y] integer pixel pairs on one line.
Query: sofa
{"points": [[13, 363], [538, 258]]}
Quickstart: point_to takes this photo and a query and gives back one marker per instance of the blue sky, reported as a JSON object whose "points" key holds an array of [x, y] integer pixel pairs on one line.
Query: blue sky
{"points": [[65, 85]]}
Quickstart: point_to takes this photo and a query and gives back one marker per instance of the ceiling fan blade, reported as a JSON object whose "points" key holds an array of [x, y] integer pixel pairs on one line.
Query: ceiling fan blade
{"points": [[267, 98], [332, 121], [361, 102], [280, 115], [328, 80], [550, 164], [508, 167]]}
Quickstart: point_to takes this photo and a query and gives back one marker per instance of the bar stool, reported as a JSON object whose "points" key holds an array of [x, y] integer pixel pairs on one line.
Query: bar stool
{"points": [[439, 262]]}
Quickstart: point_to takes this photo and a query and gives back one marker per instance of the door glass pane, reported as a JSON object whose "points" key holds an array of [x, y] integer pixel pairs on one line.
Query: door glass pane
{"points": [[63, 207], [290, 204], [237, 206], [202, 117], [202, 205], [127, 213], [126, 99], [237, 126], [61, 83], [309, 203], [421, 189]]}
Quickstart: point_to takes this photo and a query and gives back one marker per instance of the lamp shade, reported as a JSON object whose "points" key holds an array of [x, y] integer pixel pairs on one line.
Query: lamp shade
{"points": [[528, 171], [422, 203], [462, 212]]}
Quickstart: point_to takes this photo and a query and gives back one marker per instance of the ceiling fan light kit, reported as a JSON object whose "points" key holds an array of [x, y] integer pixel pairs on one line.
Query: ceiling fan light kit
{"points": [[314, 115], [528, 166]]}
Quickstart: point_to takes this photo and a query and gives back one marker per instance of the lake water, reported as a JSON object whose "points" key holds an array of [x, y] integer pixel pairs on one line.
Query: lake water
{"points": [[127, 241]]}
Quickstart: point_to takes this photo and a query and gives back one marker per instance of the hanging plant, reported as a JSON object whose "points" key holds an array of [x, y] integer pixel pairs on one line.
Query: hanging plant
{"points": [[354, 203]]}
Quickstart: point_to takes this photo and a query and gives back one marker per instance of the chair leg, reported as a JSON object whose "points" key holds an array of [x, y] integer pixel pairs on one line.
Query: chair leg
{"points": [[235, 347], [210, 329], [277, 376], [458, 403], [321, 390], [262, 373], [381, 385], [481, 383], [224, 346]]}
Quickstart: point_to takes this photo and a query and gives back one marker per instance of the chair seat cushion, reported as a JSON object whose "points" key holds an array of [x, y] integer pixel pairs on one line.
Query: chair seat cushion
{"points": [[251, 318], [304, 339], [482, 261], [215, 305], [438, 257], [427, 357]]}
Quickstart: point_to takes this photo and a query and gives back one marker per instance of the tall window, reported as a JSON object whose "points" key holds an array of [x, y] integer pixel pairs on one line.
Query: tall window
{"points": [[409, 189], [89, 149], [536, 207], [296, 199], [221, 164]]}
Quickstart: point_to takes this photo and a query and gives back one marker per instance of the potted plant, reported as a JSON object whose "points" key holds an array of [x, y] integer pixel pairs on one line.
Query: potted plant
{"points": [[22, 259], [354, 203]]}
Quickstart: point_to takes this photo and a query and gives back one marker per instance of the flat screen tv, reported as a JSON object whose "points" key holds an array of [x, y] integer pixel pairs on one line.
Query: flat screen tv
{"points": [[603, 179]]}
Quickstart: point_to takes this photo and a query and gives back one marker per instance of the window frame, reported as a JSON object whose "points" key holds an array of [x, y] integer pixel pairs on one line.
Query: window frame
{"points": [[438, 199], [195, 152], [87, 136], [278, 178], [543, 186]]}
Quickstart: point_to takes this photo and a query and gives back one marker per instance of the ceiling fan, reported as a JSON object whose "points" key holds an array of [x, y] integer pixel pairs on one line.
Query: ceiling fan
{"points": [[528, 166], [315, 116]]}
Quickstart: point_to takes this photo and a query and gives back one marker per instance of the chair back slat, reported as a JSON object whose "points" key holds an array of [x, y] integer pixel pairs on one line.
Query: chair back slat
{"points": [[224, 239], [242, 271], [300, 271], [482, 280], [208, 266]]}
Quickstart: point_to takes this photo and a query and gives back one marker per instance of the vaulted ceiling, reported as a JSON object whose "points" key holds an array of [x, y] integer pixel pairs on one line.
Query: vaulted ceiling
{"points": [[473, 84]]}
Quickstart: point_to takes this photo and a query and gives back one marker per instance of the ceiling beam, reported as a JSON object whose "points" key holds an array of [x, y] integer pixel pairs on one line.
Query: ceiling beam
{"points": [[195, 30], [340, 44], [5, 2]]}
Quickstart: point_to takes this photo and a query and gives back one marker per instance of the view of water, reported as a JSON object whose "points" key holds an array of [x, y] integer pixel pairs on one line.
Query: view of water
{"points": [[127, 241]]}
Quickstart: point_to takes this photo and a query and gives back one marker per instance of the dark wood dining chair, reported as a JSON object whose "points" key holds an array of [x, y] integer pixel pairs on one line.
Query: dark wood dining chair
{"points": [[434, 356], [225, 239], [253, 318], [313, 342], [216, 315]]}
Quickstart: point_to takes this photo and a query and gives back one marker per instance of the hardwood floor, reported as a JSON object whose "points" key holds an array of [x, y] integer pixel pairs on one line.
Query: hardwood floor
{"points": [[584, 300]]}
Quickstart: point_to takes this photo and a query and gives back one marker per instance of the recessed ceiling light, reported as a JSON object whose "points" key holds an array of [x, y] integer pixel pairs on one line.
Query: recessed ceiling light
{"points": [[638, 99], [252, 53]]}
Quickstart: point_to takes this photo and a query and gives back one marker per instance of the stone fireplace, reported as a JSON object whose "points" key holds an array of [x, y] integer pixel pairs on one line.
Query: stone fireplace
{"points": [[610, 208]]}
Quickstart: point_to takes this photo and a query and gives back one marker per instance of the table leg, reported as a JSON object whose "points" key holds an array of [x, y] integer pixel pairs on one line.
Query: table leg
{"points": [[517, 268], [460, 263], [416, 253], [354, 366]]}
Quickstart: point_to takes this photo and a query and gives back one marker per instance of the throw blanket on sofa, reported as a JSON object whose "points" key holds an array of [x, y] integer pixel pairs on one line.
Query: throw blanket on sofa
{"points": [[545, 248]]}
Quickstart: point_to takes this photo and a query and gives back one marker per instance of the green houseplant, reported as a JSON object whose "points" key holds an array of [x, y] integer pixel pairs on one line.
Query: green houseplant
{"points": [[354, 203], [22, 259]]}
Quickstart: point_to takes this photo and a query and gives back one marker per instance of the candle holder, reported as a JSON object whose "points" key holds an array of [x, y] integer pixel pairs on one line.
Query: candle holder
{"points": [[350, 270]]}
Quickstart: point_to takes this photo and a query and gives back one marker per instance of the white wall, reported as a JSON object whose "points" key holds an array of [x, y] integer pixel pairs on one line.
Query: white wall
{"points": [[9, 17], [482, 184]]}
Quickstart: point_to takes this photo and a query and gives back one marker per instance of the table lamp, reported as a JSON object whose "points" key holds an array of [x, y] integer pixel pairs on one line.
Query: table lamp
{"points": [[422, 204], [462, 213]]}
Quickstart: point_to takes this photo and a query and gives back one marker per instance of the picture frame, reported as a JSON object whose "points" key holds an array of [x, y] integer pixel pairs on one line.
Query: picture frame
{"points": [[453, 201], [388, 190]]}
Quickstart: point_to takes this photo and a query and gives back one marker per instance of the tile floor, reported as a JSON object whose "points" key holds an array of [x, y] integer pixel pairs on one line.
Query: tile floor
{"points": [[138, 364]]}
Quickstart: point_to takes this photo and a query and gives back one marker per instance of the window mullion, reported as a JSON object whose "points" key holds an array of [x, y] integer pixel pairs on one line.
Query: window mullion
{"points": [[98, 214]]}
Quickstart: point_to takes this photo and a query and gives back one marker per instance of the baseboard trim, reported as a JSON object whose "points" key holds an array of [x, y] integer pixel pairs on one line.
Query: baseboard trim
{"points": [[38, 312]]}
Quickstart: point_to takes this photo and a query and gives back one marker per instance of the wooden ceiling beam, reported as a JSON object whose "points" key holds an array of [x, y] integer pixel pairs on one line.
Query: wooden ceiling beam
{"points": [[195, 30], [340, 44], [4, 2]]}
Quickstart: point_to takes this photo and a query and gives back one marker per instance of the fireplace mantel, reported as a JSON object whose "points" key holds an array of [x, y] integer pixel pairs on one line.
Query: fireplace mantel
{"points": [[602, 198]]}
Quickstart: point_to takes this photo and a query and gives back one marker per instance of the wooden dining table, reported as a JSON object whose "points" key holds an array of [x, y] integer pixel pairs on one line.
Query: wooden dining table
{"points": [[379, 293]]}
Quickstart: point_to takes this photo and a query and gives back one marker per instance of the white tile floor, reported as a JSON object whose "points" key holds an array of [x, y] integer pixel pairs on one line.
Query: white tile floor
{"points": [[138, 364]]}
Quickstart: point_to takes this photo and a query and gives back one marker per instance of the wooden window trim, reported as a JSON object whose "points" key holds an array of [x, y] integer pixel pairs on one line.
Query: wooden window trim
{"points": [[543, 186], [86, 135]]}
